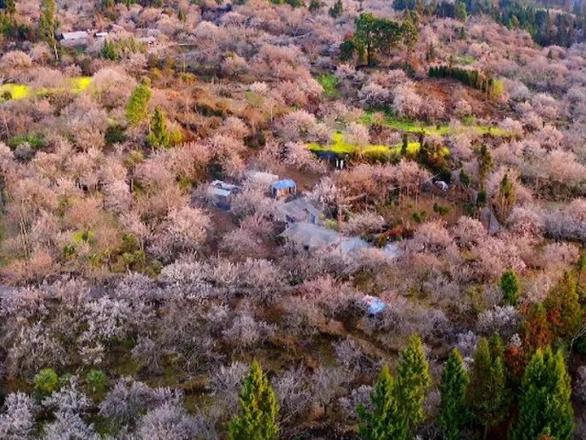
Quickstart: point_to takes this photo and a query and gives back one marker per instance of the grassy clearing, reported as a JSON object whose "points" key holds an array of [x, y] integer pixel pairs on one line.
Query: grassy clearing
{"points": [[340, 145], [329, 83], [22, 91], [439, 130]]}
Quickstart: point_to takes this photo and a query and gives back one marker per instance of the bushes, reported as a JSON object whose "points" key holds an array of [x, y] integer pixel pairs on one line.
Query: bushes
{"points": [[46, 381]]}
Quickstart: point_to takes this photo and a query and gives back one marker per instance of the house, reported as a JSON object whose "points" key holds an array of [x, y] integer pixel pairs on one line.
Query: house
{"points": [[313, 237], [261, 178], [441, 185], [373, 305], [221, 193], [298, 210], [283, 188], [75, 39]]}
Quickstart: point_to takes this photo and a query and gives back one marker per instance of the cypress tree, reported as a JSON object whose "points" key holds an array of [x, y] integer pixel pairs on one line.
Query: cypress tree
{"points": [[48, 24], [485, 164], [259, 409], [137, 107], [336, 10], [413, 382], [453, 409], [384, 421], [159, 133], [487, 393], [564, 311], [545, 407], [510, 287], [506, 198], [537, 331]]}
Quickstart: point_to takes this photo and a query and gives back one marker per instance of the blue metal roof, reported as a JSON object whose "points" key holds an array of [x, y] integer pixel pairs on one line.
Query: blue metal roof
{"points": [[374, 305], [283, 184]]}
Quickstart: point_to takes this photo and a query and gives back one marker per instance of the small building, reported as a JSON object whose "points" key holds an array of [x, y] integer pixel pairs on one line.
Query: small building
{"points": [[75, 39], [373, 305], [261, 178], [313, 237], [441, 185], [221, 193], [298, 210], [283, 188]]}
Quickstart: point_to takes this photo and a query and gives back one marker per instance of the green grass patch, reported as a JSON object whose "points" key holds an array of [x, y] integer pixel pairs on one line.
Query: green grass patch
{"points": [[407, 125], [17, 92], [35, 140], [465, 59], [417, 127], [329, 83], [340, 145]]}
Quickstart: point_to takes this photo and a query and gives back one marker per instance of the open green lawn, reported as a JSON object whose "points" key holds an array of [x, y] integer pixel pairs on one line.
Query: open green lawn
{"points": [[339, 145], [22, 91], [439, 129]]}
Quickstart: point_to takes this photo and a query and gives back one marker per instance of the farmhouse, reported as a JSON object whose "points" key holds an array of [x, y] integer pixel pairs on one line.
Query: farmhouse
{"points": [[75, 39], [298, 210], [313, 237], [283, 188], [220, 193]]}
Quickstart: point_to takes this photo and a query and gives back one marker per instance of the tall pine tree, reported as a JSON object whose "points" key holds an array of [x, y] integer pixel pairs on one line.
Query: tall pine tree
{"points": [[259, 409], [413, 382], [487, 393], [384, 421], [137, 109], [510, 287], [453, 414], [545, 407], [48, 24], [159, 136]]}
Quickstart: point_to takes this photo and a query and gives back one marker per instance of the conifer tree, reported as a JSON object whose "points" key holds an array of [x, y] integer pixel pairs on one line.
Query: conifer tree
{"points": [[336, 10], [460, 10], [487, 393], [536, 328], [505, 199], [485, 164], [384, 421], [159, 135], [545, 407], [453, 409], [138, 104], [510, 287], [48, 24], [259, 409], [564, 311], [413, 382], [8, 5]]}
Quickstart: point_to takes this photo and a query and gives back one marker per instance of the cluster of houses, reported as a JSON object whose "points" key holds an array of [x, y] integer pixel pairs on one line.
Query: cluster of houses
{"points": [[303, 222]]}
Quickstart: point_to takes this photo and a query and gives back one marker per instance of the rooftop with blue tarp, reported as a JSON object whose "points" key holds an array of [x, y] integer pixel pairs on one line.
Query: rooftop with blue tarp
{"points": [[374, 305], [283, 184]]}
